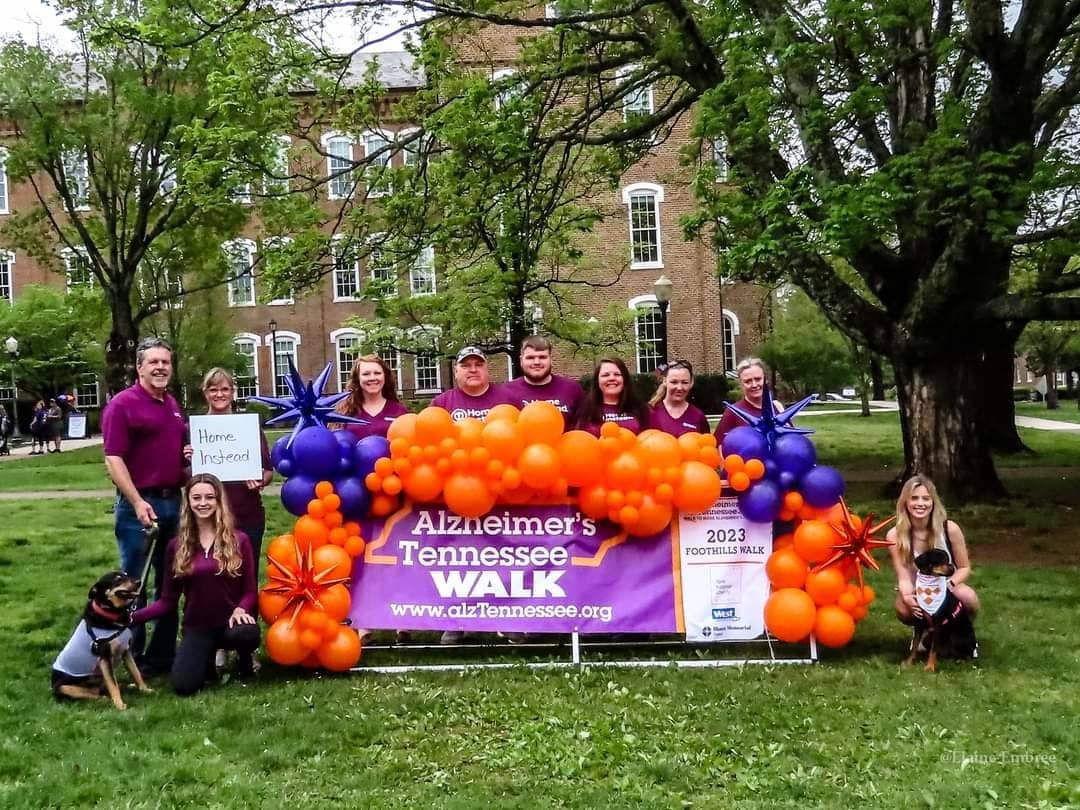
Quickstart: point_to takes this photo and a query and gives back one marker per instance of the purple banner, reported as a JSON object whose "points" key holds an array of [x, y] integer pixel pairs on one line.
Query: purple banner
{"points": [[533, 569]]}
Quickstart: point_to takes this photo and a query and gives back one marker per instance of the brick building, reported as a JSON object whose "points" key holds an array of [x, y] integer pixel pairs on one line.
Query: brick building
{"points": [[711, 324]]}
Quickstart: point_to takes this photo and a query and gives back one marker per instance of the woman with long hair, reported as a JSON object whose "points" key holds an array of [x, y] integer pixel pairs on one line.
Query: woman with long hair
{"points": [[670, 411], [611, 398], [372, 396], [922, 524], [211, 565], [244, 497]]}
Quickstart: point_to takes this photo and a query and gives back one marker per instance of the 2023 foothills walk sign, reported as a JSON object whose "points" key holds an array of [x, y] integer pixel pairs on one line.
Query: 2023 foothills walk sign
{"points": [[551, 569]]}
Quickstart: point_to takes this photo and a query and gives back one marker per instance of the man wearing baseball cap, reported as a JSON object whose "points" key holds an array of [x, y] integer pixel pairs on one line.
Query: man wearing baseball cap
{"points": [[473, 394]]}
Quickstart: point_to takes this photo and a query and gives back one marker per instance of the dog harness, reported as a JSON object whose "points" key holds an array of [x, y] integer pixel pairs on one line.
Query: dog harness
{"points": [[78, 657]]}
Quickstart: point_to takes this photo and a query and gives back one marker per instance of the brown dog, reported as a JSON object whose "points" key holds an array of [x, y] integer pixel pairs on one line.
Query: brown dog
{"points": [[87, 664]]}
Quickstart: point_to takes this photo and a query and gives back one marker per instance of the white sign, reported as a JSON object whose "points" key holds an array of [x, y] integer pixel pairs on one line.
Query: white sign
{"points": [[724, 585], [77, 426], [227, 446]]}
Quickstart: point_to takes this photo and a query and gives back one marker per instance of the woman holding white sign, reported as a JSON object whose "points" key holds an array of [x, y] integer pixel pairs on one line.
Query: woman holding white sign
{"points": [[372, 396]]}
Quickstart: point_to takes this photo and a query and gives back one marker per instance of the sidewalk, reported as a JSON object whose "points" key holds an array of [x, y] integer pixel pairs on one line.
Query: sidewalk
{"points": [[20, 448]]}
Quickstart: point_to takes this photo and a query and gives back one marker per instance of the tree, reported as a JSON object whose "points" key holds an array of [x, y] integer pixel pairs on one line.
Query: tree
{"points": [[145, 151], [806, 351]]}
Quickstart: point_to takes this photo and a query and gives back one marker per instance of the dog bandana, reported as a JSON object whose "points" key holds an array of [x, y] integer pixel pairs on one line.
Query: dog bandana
{"points": [[930, 592]]}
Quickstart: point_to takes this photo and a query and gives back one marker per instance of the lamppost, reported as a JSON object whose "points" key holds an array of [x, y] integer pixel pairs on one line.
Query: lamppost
{"points": [[273, 355], [11, 345], [662, 291]]}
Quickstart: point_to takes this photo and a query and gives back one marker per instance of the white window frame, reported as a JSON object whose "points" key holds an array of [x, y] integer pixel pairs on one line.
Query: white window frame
{"points": [[5, 187], [394, 363], [729, 316], [413, 149], [7, 261], [718, 144], [248, 338], [334, 183], [436, 335], [77, 169], [281, 334], [632, 107], [337, 245], [276, 185], [271, 243], [343, 373], [232, 252], [377, 176], [420, 270], [506, 95], [81, 399], [68, 255], [375, 249], [657, 193], [637, 305]]}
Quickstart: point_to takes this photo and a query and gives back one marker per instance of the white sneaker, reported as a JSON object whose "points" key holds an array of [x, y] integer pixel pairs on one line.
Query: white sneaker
{"points": [[219, 660]]}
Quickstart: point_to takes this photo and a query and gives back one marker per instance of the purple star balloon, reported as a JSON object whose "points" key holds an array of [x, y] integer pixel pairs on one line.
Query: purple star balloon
{"points": [[306, 403], [770, 424]]}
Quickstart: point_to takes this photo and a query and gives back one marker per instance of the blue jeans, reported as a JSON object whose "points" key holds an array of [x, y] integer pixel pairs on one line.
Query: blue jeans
{"points": [[131, 540]]}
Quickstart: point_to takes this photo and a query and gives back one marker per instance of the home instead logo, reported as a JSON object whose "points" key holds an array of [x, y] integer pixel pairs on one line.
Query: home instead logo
{"points": [[724, 613]]}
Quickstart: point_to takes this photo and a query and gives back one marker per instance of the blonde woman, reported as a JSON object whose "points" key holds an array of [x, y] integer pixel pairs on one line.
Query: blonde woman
{"points": [[921, 524], [211, 565]]}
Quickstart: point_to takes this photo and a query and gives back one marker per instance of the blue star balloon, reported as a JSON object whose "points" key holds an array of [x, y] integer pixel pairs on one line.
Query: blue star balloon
{"points": [[306, 403], [771, 424]]}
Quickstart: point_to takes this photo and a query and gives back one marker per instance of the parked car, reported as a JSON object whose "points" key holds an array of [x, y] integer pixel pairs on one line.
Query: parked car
{"points": [[831, 397]]}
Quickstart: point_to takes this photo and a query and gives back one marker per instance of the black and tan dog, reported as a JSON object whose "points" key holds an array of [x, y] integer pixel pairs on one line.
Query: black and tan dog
{"points": [[945, 627], [87, 664]]}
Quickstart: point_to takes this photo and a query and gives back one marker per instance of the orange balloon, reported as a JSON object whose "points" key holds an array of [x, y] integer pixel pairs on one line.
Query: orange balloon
{"points": [[503, 439], [402, 466], [593, 501], [468, 433], [416, 454], [628, 516], [814, 540], [341, 653], [310, 532], [338, 536], [495, 469], [755, 468], [354, 546], [664, 493], [653, 517], [433, 425], [404, 427], [468, 495], [609, 446], [309, 638], [399, 448], [333, 520], [271, 605], [616, 499], [459, 459], [859, 613], [539, 464], [511, 478], [391, 485], [833, 626], [658, 449], [783, 541], [688, 446], [315, 508], [323, 488], [708, 440], [431, 453], [867, 595], [332, 559], [786, 569], [311, 618], [283, 643], [352, 527], [609, 430], [582, 461], [847, 602], [479, 458], [698, 488], [382, 505], [502, 412], [335, 600], [332, 502], [443, 466], [825, 585], [790, 614], [541, 422], [734, 464], [740, 481], [384, 467], [709, 456], [423, 484], [625, 471], [793, 501], [447, 446], [284, 551], [627, 439], [635, 497]]}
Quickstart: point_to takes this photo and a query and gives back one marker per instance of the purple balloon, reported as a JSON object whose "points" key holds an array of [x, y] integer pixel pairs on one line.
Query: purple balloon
{"points": [[355, 497], [280, 452], [745, 442], [787, 480], [316, 453], [794, 453], [346, 441], [285, 467], [369, 450], [295, 494], [772, 469], [761, 503], [822, 487]]}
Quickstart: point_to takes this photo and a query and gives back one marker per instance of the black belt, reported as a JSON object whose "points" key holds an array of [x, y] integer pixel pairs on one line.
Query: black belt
{"points": [[159, 492]]}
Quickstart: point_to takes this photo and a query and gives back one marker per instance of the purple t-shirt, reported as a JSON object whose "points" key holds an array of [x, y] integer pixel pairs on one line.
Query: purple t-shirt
{"points": [[462, 405], [562, 392], [148, 434], [378, 423], [246, 504], [692, 420], [613, 414], [209, 597]]}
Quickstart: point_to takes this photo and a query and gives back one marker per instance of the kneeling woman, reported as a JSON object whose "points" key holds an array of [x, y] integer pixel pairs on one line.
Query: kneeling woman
{"points": [[211, 565]]}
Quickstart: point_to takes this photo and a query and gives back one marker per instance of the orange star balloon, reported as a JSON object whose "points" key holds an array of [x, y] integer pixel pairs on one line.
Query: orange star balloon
{"points": [[859, 539]]}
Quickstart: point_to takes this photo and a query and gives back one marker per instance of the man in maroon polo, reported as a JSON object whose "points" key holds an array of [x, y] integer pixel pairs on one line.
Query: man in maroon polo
{"points": [[538, 383], [144, 430], [473, 394]]}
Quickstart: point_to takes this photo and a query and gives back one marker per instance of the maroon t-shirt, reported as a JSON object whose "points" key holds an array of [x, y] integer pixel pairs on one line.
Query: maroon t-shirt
{"points": [[209, 597], [148, 434], [378, 423], [562, 392], [463, 406], [692, 420], [246, 504], [613, 414]]}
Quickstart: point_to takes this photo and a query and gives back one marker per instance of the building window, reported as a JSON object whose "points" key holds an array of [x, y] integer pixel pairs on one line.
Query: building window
{"points": [[241, 284], [410, 152], [285, 349], [3, 183], [643, 203], [506, 90], [380, 268], [339, 164], [638, 100], [87, 392], [7, 289], [276, 244], [719, 159], [276, 179], [427, 371], [347, 349], [422, 273], [377, 172], [392, 358], [77, 269], [346, 270], [77, 179], [647, 333], [247, 380]]}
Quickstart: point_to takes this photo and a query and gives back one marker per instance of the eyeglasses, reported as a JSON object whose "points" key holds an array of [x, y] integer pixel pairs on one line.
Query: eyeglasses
{"points": [[674, 364]]}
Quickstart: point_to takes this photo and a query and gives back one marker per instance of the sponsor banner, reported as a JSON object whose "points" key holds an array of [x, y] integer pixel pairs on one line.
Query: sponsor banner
{"points": [[534, 569], [724, 583]]}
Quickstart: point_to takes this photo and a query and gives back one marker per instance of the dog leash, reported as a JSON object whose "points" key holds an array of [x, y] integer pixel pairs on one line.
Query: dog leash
{"points": [[152, 533]]}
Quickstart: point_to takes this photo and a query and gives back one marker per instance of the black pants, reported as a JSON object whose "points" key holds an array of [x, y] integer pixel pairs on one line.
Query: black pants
{"points": [[194, 662]]}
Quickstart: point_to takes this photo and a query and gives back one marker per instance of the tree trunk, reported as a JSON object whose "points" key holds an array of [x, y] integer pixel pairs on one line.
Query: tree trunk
{"points": [[996, 413], [939, 398], [120, 350], [1051, 389], [877, 379]]}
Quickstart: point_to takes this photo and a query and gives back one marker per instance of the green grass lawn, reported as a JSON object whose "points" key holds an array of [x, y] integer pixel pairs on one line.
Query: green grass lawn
{"points": [[1065, 412]]}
